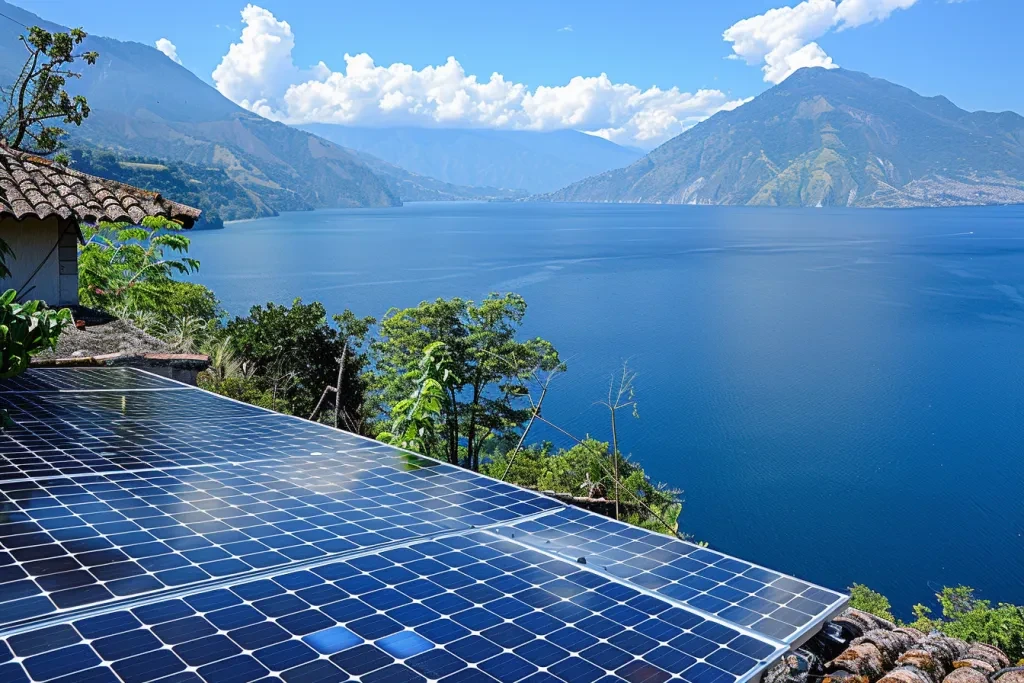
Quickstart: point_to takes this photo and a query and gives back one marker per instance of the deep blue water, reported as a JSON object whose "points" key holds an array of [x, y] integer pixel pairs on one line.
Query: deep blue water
{"points": [[840, 393]]}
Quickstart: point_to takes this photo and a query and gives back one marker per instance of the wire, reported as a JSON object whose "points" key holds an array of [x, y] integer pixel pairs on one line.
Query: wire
{"points": [[12, 19]]}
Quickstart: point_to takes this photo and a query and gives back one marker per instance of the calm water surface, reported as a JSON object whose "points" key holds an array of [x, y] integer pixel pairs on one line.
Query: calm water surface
{"points": [[840, 393]]}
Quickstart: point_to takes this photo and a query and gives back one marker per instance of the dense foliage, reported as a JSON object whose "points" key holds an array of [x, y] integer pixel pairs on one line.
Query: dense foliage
{"points": [[37, 100], [128, 270], [964, 616], [294, 353], [485, 395], [586, 470]]}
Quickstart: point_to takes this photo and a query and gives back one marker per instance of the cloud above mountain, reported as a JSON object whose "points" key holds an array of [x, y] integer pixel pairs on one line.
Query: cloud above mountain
{"points": [[259, 73], [168, 48], [784, 39]]}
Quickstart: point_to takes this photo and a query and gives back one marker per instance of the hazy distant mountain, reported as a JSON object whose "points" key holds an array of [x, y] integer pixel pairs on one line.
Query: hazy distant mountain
{"points": [[145, 104], [412, 187], [829, 137], [517, 160]]}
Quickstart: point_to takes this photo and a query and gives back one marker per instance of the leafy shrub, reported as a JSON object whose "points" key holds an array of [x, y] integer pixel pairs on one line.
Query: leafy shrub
{"points": [[964, 616]]}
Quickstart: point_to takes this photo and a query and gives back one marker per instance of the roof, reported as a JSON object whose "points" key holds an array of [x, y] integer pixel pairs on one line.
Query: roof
{"points": [[34, 187], [866, 649]]}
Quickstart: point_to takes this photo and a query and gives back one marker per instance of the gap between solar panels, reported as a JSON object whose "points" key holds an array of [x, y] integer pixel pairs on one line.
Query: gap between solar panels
{"points": [[765, 605]]}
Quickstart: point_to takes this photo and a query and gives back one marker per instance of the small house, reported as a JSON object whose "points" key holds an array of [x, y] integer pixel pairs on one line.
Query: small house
{"points": [[41, 206]]}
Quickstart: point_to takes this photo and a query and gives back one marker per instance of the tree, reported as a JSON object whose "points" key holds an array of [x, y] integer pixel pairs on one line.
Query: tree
{"points": [[127, 268], [295, 353], [416, 420], [37, 98], [488, 399]]}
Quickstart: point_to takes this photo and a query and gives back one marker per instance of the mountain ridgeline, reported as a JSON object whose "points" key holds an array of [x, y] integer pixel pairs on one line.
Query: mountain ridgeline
{"points": [[512, 159], [828, 138]]}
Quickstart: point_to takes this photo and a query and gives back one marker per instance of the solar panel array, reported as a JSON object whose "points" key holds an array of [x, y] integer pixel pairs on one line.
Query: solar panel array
{"points": [[153, 531]]}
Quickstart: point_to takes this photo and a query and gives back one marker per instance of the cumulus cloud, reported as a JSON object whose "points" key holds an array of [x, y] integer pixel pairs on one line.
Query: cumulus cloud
{"points": [[258, 73], [168, 48], [783, 40]]}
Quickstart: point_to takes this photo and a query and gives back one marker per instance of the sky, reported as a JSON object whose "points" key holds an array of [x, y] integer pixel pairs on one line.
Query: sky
{"points": [[636, 73]]}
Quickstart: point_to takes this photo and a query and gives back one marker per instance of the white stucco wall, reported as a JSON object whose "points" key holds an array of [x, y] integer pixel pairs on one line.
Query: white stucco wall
{"points": [[35, 241]]}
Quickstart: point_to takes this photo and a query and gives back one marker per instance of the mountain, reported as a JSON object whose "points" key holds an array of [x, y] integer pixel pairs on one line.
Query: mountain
{"points": [[828, 137], [145, 104], [516, 160], [412, 187], [208, 188]]}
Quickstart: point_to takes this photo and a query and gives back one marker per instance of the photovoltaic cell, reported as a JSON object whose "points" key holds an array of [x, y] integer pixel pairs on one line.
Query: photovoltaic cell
{"points": [[72, 542], [776, 605], [86, 379], [462, 608], [102, 408], [297, 550]]}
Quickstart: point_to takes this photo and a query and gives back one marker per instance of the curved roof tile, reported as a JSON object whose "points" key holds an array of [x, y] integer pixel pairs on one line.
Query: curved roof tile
{"points": [[35, 187]]}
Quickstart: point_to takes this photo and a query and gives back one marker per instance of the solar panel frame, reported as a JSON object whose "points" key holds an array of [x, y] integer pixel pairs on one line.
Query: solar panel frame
{"points": [[87, 464]]}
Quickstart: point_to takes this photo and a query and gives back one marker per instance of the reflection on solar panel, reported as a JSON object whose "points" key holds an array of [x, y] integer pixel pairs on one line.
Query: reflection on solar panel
{"points": [[149, 530], [739, 592], [86, 379], [472, 603]]}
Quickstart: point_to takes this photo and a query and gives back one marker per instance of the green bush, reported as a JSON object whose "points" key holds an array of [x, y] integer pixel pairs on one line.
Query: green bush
{"points": [[963, 616]]}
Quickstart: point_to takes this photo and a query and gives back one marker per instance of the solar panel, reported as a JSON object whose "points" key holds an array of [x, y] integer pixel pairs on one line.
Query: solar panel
{"points": [[104, 407], [137, 513], [86, 379], [739, 592], [75, 541], [461, 608]]}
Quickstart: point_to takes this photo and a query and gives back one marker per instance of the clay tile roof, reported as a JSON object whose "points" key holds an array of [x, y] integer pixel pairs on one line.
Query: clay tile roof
{"points": [[35, 187]]}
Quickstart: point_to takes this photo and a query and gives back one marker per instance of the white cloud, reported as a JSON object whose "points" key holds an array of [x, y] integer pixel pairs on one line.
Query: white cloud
{"points": [[566, 29], [258, 73], [168, 48], [782, 40]]}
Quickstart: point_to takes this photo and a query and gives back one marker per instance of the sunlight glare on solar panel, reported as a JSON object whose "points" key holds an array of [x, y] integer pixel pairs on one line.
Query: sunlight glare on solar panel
{"points": [[86, 379], [70, 542]]}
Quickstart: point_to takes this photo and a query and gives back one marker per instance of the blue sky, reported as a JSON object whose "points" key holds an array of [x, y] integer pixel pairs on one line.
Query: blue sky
{"points": [[960, 49]]}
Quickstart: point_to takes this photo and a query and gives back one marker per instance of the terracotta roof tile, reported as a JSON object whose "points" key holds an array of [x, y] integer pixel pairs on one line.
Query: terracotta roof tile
{"points": [[35, 187]]}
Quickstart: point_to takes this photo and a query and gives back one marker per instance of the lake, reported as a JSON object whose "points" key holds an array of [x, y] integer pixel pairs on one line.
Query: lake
{"points": [[840, 393]]}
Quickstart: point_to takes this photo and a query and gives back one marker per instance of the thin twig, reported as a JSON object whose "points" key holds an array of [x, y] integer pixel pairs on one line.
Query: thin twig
{"points": [[533, 416]]}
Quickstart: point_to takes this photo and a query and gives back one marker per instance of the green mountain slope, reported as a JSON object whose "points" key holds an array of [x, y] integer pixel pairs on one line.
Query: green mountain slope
{"points": [[517, 160], [828, 138], [145, 104], [207, 188]]}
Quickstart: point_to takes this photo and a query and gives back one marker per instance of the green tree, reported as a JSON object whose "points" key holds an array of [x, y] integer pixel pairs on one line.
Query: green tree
{"points": [[38, 98], [129, 270], [294, 353], [416, 420], [491, 364]]}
